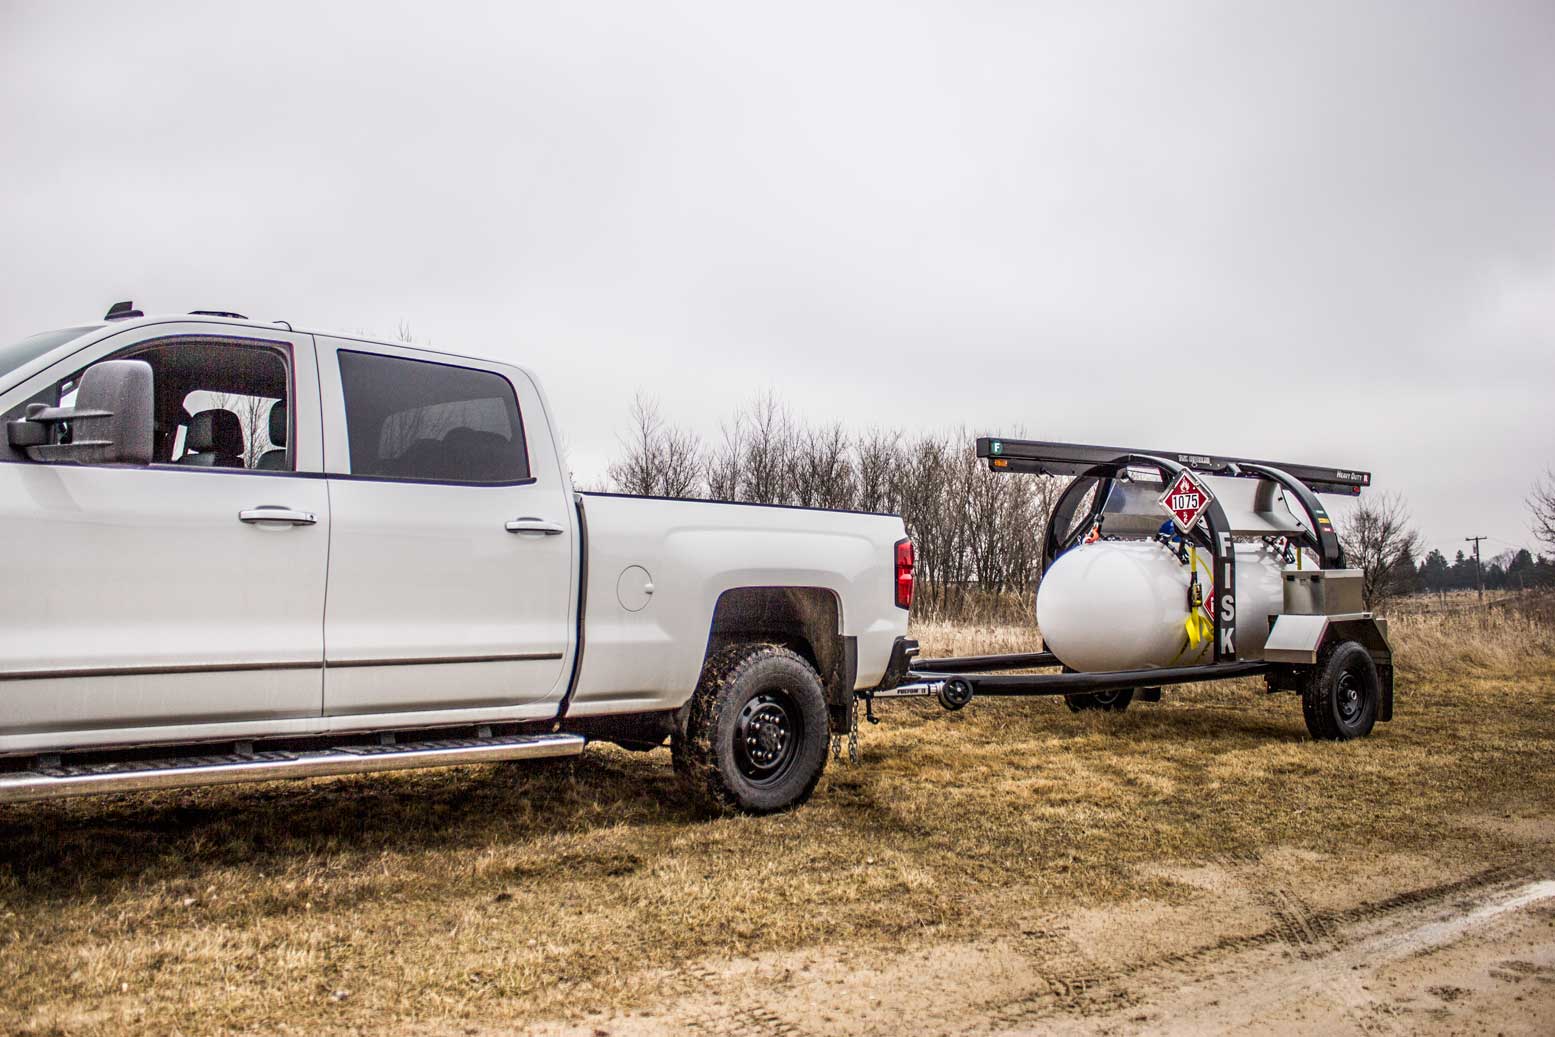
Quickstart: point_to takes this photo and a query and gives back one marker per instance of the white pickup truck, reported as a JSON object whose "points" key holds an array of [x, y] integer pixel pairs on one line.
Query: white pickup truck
{"points": [[241, 551]]}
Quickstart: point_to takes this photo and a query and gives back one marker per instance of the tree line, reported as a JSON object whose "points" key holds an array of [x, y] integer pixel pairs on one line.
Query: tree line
{"points": [[976, 533], [1380, 541], [979, 534], [1512, 569]]}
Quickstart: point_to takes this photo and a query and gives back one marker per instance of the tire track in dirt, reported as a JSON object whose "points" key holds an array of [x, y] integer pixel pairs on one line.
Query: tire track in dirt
{"points": [[1080, 986], [743, 1022], [1048, 977]]}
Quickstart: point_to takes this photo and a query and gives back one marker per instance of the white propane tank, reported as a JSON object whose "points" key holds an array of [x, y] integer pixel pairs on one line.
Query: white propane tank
{"points": [[1123, 604]]}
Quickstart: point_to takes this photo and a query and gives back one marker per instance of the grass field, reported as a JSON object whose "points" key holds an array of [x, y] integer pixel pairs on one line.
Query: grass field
{"points": [[476, 899]]}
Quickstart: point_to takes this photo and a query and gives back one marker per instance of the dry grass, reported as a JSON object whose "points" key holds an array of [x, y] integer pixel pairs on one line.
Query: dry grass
{"points": [[498, 895]]}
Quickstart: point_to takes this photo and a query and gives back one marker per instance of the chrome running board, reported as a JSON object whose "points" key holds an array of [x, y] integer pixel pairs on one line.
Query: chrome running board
{"points": [[68, 779]]}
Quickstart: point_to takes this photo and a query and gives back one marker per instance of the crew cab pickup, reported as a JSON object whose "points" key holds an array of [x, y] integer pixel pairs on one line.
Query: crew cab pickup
{"points": [[241, 551]]}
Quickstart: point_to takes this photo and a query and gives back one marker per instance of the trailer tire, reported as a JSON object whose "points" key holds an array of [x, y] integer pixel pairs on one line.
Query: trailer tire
{"points": [[757, 731], [1110, 701], [1341, 695]]}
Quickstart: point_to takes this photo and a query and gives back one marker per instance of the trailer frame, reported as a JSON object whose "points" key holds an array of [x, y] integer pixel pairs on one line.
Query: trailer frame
{"points": [[1306, 647]]}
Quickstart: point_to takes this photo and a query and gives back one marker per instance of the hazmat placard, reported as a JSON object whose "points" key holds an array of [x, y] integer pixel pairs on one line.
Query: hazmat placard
{"points": [[1186, 499]]}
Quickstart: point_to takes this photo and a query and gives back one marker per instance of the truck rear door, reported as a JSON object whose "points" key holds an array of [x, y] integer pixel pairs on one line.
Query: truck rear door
{"points": [[453, 550]]}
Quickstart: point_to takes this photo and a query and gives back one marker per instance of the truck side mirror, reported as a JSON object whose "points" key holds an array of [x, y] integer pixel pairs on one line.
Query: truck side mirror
{"points": [[110, 424]]}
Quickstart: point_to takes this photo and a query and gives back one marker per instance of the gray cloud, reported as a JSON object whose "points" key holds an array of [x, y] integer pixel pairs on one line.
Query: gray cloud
{"points": [[1317, 232]]}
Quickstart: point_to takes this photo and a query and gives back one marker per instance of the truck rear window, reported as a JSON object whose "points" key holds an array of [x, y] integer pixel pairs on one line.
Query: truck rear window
{"points": [[416, 420]]}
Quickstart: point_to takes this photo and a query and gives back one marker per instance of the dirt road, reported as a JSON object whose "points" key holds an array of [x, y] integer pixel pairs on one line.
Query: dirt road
{"points": [[1271, 946]]}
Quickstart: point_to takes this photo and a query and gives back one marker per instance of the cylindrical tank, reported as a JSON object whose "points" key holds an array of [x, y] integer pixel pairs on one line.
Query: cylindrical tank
{"points": [[1123, 605]]}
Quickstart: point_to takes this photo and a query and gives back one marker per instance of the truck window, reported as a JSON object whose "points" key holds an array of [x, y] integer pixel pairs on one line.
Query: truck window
{"points": [[30, 348], [416, 420], [218, 403]]}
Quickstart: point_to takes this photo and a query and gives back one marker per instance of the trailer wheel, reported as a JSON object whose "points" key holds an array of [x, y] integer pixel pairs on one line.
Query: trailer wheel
{"points": [[757, 732], [1111, 701], [1341, 694]]}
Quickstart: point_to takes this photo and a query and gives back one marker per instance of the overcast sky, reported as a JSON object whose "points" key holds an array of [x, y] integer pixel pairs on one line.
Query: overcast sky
{"points": [[1310, 232]]}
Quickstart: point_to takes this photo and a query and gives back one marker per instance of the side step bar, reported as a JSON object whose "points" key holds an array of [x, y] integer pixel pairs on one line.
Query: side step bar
{"points": [[270, 765]]}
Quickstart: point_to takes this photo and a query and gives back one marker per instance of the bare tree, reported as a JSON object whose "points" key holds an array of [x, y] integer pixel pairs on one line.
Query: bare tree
{"points": [[1541, 503], [1376, 538], [877, 456], [929, 507], [986, 504], [682, 469], [767, 474], [661, 460], [723, 467], [823, 474]]}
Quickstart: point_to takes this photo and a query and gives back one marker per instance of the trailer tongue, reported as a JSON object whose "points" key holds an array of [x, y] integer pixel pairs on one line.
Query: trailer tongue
{"points": [[1163, 568]]}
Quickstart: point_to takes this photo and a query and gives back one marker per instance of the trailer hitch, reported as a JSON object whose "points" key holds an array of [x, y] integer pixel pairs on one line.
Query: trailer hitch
{"points": [[955, 693], [952, 693]]}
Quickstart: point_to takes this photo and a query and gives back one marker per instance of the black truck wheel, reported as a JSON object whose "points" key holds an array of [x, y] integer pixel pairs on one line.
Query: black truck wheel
{"points": [[1111, 701], [756, 735], [1341, 694]]}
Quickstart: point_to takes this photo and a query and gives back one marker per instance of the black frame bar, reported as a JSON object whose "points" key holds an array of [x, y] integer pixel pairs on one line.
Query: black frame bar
{"points": [[1031, 684], [1047, 458], [987, 663]]}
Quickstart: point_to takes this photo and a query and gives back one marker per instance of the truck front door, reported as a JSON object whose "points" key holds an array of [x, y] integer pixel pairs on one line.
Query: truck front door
{"points": [[183, 599], [453, 548]]}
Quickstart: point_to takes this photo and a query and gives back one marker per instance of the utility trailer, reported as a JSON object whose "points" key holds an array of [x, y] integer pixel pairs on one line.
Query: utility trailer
{"points": [[1309, 633]]}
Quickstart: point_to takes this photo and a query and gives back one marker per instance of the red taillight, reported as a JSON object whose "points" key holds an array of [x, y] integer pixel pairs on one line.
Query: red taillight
{"points": [[904, 565]]}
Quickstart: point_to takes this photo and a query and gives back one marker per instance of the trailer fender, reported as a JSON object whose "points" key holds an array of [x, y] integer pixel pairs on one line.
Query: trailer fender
{"points": [[1296, 641]]}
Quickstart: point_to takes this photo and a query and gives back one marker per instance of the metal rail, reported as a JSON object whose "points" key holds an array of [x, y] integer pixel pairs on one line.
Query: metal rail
{"points": [[1042, 457], [1090, 683], [987, 663]]}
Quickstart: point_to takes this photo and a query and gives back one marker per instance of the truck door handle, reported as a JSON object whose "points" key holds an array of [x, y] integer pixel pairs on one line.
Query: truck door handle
{"points": [[276, 513], [530, 524]]}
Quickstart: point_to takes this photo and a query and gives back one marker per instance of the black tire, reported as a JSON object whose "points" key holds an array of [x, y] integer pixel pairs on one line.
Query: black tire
{"points": [[757, 733], [1341, 695], [1111, 701]]}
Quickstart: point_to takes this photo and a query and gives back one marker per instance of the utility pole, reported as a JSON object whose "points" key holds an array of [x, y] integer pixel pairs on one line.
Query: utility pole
{"points": [[1479, 573]]}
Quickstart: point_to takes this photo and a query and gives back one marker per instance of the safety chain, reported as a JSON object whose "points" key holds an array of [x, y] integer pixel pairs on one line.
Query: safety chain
{"points": [[836, 739], [853, 731]]}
